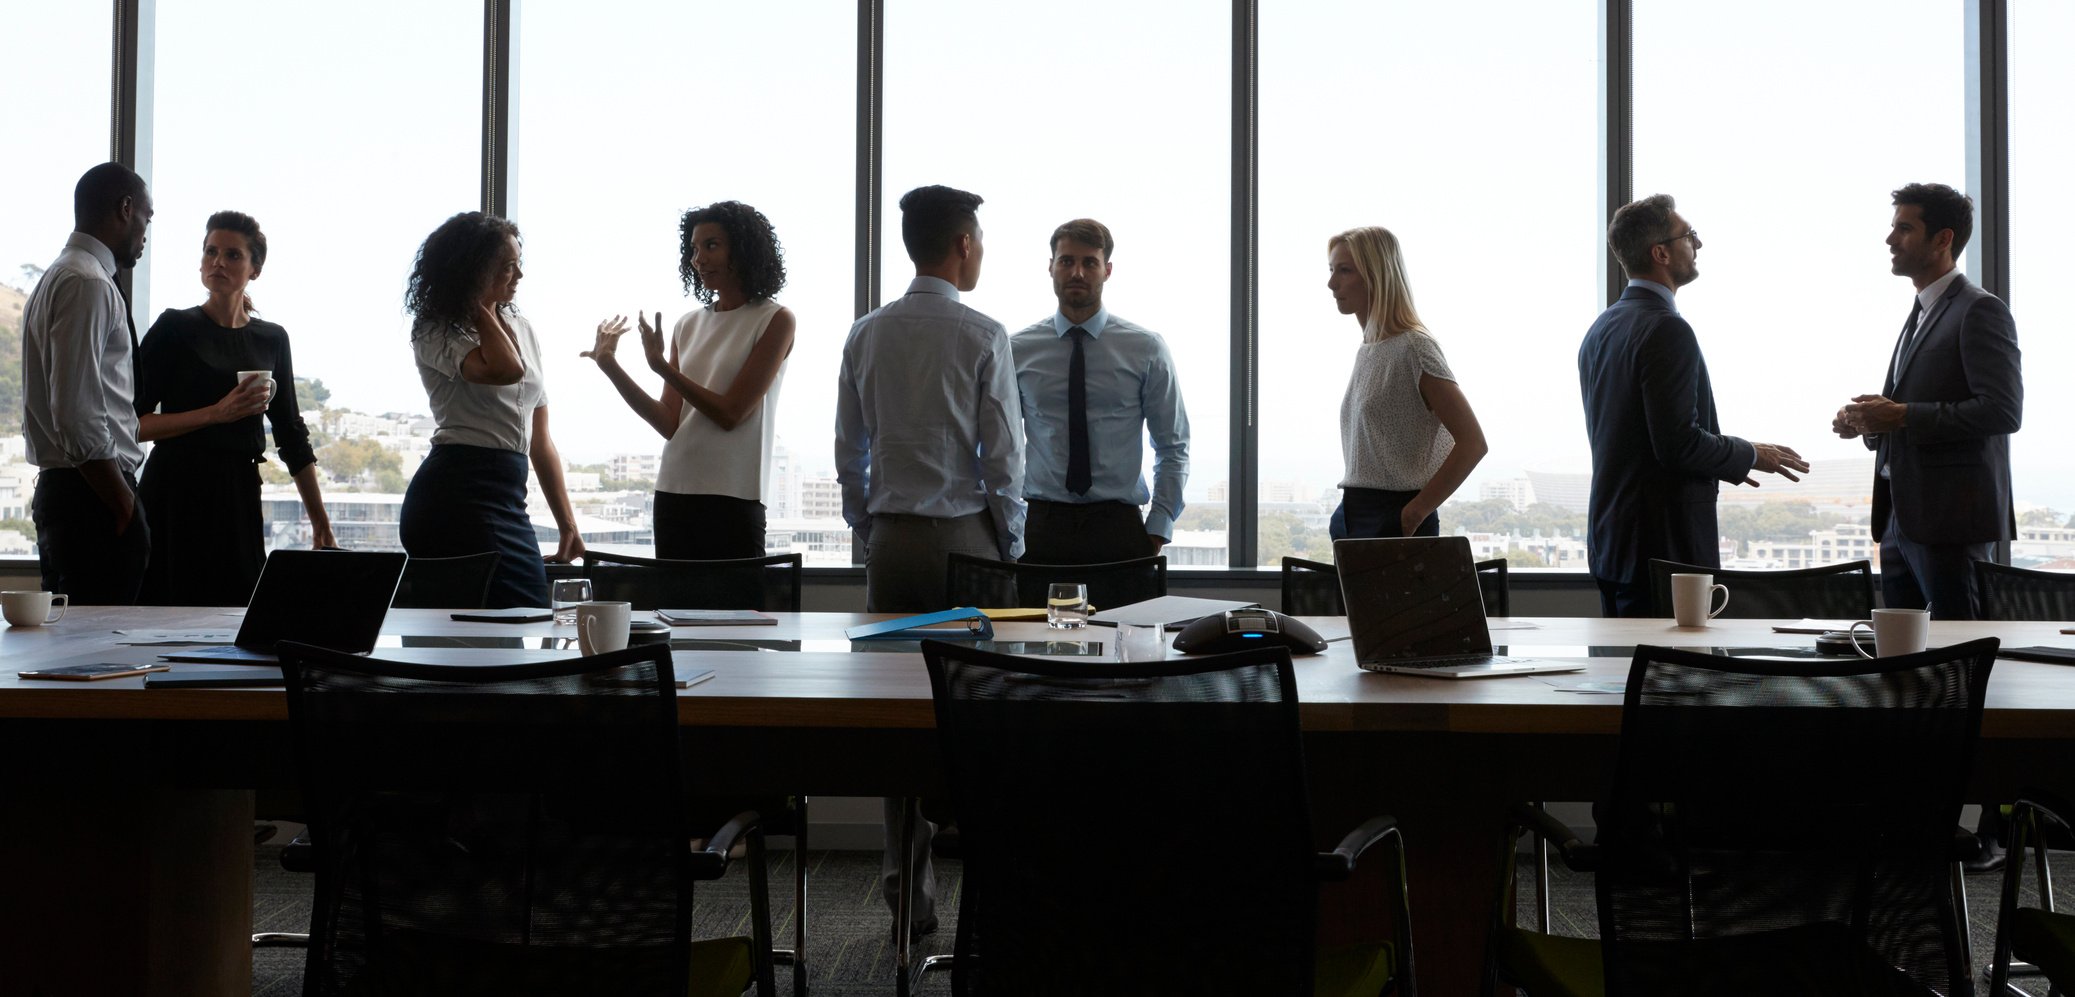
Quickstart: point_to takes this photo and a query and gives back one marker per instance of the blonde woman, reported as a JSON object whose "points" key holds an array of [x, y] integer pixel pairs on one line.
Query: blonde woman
{"points": [[1407, 433]]}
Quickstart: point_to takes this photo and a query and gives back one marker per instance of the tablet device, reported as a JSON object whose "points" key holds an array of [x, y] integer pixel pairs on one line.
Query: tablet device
{"points": [[93, 672]]}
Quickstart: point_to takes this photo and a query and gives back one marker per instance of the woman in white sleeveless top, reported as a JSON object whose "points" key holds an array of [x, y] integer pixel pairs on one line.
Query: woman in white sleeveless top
{"points": [[1406, 431], [718, 410]]}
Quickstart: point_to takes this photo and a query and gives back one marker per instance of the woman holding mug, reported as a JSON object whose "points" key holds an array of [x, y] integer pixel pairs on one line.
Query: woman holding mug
{"points": [[205, 375], [480, 364], [1407, 434]]}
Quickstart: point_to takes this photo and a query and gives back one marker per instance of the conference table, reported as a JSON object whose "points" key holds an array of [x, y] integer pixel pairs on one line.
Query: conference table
{"points": [[125, 811]]}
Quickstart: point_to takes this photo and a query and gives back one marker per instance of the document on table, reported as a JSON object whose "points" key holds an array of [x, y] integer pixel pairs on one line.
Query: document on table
{"points": [[175, 638], [1811, 626]]}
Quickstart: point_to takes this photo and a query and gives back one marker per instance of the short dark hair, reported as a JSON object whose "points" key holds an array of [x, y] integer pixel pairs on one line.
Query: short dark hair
{"points": [[100, 190], [753, 249], [245, 225], [1088, 232], [454, 265], [1638, 227], [932, 219], [1943, 208]]}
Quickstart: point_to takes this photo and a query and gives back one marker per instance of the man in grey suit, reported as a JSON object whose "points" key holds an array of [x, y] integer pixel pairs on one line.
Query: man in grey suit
{"points": [[1940, 428]]}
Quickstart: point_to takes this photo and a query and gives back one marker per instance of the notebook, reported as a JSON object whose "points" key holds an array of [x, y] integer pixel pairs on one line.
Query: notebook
{"points": [[1414, 607], [329, 598]]}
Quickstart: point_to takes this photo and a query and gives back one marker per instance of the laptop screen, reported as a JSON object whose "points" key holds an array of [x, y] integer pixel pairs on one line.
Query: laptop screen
{"points": [[1412, 598], [329, 598]]}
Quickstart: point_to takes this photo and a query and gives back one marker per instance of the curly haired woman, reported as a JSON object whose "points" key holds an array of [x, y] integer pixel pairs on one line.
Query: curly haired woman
{"points": [[720, 384]]}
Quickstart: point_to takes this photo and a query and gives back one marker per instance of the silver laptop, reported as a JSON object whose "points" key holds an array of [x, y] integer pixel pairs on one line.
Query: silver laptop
{"points": [[329, 598], [1414, 607]]}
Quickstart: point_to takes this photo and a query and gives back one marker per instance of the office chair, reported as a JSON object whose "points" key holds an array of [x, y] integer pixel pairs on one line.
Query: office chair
{"points": [[984, 581], [2009, 593], [1830, 592], [513, 829], [2038, 935], [1313, 588], [768, 584], [1703, 890], [1218, 891], [446, 582]]}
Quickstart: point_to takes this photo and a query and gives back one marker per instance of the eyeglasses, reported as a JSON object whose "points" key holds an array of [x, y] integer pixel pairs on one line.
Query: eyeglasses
{"points": [[1691, 233]]}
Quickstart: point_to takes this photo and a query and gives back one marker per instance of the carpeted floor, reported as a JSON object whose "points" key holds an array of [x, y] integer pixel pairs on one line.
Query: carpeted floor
{"points": [[851, 948]]}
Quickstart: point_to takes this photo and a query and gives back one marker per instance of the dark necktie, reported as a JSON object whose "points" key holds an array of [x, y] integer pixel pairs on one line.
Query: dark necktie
{"points": [[1077, 477], [1909, 331]]}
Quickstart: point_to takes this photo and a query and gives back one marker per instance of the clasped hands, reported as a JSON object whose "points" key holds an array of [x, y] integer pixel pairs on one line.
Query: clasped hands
{"points": [[606, 346], [1869, 415]]}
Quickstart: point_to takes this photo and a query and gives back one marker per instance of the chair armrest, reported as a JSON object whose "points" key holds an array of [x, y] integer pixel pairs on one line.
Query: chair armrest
{"points": [[1338, 865], [2049, 805], [711, 862], [1578, 856]]}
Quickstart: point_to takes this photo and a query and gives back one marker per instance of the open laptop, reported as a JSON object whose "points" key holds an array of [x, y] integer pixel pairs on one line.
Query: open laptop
{"points": [[1414, 607], [330, 598]]}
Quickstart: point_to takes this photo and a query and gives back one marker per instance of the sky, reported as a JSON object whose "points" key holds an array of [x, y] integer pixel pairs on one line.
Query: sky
{"points": [[1469, 130]]}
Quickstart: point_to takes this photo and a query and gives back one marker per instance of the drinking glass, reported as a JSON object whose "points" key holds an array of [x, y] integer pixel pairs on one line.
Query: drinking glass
{"points": [[567, 592], [1066, 606]]}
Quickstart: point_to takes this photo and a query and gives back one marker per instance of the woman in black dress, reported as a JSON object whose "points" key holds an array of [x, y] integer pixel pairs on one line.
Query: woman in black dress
{"points": [[200, 487]]}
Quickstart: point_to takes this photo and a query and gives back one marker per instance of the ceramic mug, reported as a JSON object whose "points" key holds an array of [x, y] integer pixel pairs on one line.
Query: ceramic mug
{"points": [[268, 374], [601, 627], [1895, 631], [1693, 599], [31, 609]]}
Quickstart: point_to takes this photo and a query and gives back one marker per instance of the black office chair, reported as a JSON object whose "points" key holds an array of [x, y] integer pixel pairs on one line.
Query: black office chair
{"points": [[1313, 588], [2009, 593], [514, 829], [446, 582], [1703, 890], [984, 581], [1046, 758], [769, 584], [1830, 592], [2038, 935]]}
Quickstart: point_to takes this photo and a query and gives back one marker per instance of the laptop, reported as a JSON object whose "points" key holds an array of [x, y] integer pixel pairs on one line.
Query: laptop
{"points": [[1414, 607], [330, 598]]}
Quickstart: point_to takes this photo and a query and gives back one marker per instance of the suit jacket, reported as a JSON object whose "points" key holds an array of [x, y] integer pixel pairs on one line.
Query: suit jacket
{"points": [[1657, 450], [1949, 467]]}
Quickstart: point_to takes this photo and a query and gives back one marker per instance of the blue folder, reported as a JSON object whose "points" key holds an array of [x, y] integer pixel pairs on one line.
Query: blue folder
{"points": [[935, 626]]}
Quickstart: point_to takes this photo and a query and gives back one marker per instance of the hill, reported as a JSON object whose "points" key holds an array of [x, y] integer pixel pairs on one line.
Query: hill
{"points": [[11, 302]]}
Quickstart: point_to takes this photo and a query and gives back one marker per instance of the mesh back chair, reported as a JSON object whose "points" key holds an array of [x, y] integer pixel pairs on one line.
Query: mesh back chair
{"points": [[982, 581], [446, 582], [2038, 935], [516, 829], [1831, 592], [1703, 890], [1312, 588], [1221, 899], [769, 584], [2009, 593]]}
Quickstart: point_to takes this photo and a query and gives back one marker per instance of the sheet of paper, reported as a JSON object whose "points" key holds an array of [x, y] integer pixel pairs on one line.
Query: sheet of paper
{"points": [[175, 638]]}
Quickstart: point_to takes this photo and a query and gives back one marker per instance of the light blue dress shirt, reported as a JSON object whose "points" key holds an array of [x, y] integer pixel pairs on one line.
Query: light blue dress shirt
{"points": [[927, 422], [1132, 393]]}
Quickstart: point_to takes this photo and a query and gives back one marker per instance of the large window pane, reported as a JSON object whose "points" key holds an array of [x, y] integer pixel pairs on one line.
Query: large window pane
{"points": [[57, 128], [2042, 157], [1117, 113], [701, 103], [1782, 145], [279, 111], [1470, 133]]}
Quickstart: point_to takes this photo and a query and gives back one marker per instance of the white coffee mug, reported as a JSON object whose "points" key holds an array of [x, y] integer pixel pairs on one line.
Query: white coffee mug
{"points": [[1141, 642], [268, 374], [31, 609], [602, 626], [1693, 599], [1895, 631]]}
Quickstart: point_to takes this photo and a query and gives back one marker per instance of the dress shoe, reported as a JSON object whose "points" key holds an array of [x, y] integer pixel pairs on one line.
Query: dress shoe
{"points": [[1989, 859]]}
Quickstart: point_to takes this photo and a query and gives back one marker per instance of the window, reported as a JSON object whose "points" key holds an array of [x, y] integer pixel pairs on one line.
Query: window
{"points": [[2042, 87], [1116, 113], [58, 127], [703, 103], [1782, 146], [348, 161], [1470, 133]]}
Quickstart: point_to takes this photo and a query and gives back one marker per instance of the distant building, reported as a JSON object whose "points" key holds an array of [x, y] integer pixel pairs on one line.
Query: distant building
{"points": [[635, 466], [1844, 542], [1567, 491], [1520, 492], [821, 499]]}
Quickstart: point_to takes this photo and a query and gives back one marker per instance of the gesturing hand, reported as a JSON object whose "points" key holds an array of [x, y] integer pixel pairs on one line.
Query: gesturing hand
{"points": [[608, 341], [1776, 459], [652, 341]]}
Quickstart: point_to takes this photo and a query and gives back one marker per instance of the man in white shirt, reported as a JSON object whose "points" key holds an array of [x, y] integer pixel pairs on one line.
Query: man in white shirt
{"points": [[78, 390]]}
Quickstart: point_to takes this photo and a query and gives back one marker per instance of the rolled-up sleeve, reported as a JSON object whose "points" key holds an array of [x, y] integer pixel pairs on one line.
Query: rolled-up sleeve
{"points": [[81, 312]]}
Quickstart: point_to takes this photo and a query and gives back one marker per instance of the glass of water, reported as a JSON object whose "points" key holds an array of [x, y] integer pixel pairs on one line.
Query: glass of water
{"points": [[567, 592], [1066, 606]]}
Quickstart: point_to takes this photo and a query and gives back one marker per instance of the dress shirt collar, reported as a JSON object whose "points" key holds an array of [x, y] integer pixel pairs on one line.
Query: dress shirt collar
{"points": [[1664, 292], [933, 285], [1094, 325], [1936, 289], [93, 246]]}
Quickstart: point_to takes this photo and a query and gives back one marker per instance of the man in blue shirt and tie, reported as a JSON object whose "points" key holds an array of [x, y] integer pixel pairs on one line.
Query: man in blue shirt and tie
{"points": [[1093, 386]]}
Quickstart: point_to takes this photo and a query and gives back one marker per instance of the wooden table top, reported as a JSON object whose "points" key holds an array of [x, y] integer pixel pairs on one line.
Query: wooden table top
{"points": [[825, 684]]}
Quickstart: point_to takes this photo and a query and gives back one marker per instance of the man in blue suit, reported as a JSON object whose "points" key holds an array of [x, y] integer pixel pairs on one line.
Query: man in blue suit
{"points": [[1657, 449], [1940, 428]]}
